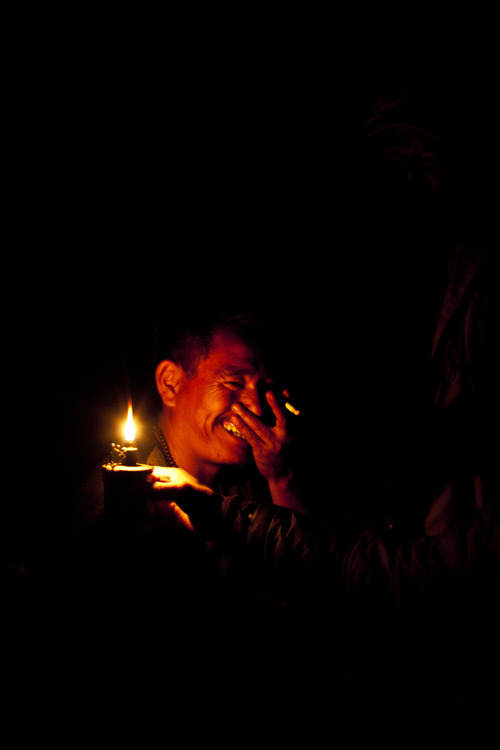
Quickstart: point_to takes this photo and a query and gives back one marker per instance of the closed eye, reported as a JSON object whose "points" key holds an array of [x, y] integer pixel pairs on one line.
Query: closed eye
{"points": [[233, 385]]}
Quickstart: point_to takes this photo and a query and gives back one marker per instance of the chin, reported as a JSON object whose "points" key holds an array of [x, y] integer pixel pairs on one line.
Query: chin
{"points": [[233, 447], [241, 458], [236, 458]]}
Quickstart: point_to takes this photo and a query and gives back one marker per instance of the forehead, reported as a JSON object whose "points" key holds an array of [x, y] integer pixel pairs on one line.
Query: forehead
{"points": [[231, 354]]}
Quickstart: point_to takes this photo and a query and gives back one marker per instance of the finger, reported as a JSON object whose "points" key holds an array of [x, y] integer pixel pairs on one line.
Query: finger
{"points": [[277, 410], [246, 431], [250, 420], [165, 482], [162, 474], [168, 510], [154, 478], [162, 485], [173, 473], [182, 517]]}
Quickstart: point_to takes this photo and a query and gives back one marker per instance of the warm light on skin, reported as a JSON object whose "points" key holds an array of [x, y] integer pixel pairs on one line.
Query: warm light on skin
{"points": [[129, 430]]}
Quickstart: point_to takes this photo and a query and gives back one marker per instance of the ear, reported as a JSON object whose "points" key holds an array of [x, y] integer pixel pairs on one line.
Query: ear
{"points": [[168, 378]]}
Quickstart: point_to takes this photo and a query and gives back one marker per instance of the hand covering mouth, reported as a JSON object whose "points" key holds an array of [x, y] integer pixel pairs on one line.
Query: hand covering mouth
{"points": [[229, 427]]}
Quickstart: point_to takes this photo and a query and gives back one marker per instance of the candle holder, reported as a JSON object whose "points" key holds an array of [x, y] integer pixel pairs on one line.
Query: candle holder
{"points": [[125, 484]]}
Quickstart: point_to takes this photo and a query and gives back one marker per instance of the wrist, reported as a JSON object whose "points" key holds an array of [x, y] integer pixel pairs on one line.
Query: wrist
{"points": [[281, 482], [284, 492]]}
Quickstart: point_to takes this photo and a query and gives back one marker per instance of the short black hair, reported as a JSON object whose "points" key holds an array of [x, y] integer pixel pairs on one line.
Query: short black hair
{"points": [[188, 341]]}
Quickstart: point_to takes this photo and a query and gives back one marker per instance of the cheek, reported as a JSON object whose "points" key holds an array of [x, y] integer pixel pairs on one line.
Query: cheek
{"points": [[216, 404]]}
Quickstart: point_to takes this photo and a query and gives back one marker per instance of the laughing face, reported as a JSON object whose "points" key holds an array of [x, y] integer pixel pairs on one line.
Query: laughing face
{"points": [[201, 436]]}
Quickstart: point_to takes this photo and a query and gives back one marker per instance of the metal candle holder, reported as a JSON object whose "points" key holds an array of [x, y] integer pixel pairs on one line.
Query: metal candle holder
{"points": [[125, 484]]}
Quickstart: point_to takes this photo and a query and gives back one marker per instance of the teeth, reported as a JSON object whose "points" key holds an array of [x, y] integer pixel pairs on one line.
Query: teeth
{"points": [[231, 428]]}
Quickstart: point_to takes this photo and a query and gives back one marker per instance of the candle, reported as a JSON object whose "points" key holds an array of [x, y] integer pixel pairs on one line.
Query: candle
{"points": [[125, 486]]}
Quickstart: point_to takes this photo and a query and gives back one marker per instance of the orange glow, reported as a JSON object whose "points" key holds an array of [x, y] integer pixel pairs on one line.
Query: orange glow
{"points": [[129, 430], [292, 409]]}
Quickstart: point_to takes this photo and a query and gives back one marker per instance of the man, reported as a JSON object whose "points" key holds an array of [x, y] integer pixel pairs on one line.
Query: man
{"points": [[220, 416]]}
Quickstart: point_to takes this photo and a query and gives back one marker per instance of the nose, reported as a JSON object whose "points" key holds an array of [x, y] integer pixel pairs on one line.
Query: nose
{"points": [[250, 398]]}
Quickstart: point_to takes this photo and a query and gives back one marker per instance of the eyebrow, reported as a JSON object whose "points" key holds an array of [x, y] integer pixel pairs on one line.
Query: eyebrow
{"points": [[236, 371], [232, 371]]}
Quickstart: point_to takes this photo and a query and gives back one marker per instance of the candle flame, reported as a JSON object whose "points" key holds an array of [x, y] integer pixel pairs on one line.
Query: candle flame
{"points": [[129, 426]]}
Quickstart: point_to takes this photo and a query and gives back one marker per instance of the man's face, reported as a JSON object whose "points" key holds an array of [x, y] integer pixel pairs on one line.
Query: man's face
{"points": [[232, 372]]}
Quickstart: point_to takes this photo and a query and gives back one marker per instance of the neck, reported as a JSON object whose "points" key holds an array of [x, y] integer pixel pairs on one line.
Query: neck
{"points": [[184, 458]]}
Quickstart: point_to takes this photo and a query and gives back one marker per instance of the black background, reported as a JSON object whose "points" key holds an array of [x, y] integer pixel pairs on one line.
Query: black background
{"points": [[161, 173]]}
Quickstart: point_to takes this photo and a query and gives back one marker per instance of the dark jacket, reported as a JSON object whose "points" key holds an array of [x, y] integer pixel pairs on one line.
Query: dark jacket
{"points": [[376, 563]]}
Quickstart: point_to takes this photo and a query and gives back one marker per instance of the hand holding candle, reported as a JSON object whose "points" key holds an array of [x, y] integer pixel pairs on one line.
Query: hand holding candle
{"points": [[167, 480], [179, 497]]}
